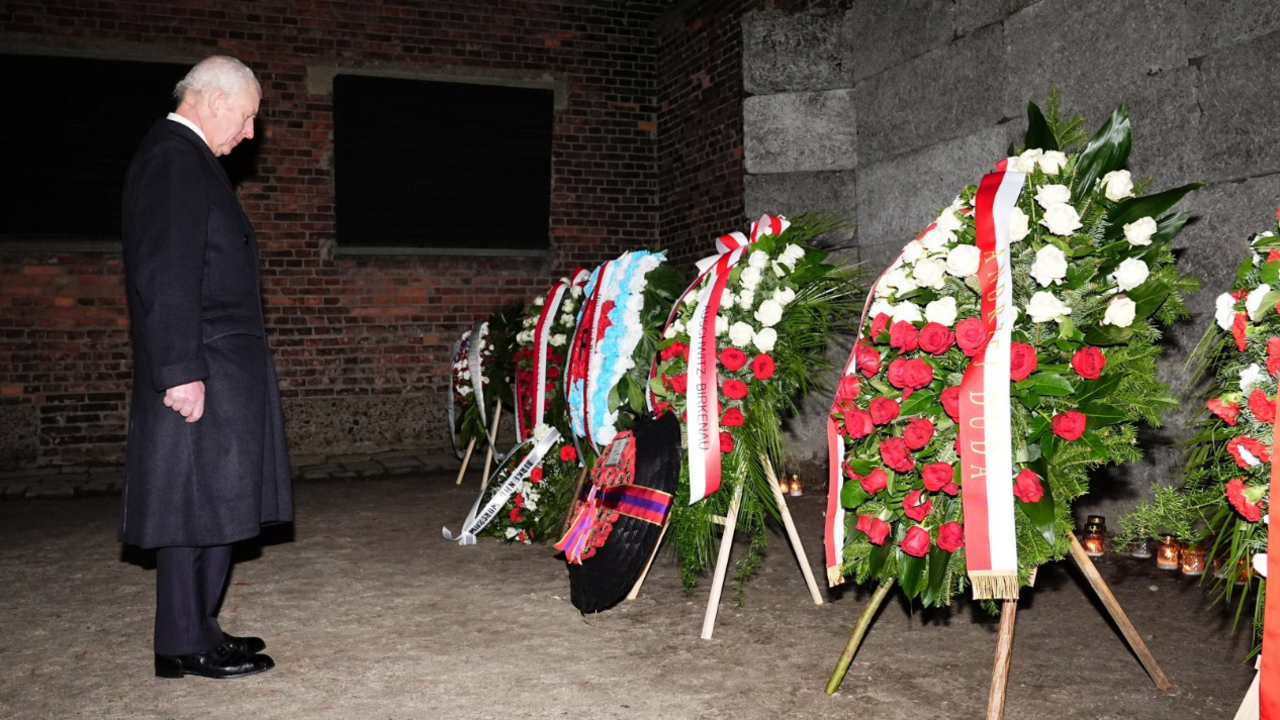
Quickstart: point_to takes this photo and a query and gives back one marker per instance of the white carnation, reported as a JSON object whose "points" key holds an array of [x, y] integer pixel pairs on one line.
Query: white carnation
{"points": [[568, 305], [963, 260], [1225, 311], [1249, 377], [941, 311], [1117, 185], [558, 339], [750, 277], [765, 339], [1052, 161], [1019, 226], [1130, 274], [1254, 300], [1120, 312], [931, 273], [1050, 195], [1050, 266], [758, 260], [1044, 306], [948, 223], [1061, 219], [740, 334], [1139, 231], [769, 314]]}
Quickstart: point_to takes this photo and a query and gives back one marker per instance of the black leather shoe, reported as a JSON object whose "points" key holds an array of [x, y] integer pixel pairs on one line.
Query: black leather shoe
{"points": [[222, 662], [245, 645]]}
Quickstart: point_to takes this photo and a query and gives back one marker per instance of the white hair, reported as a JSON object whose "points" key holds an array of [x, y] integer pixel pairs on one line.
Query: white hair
{"points": [[216, 72]]}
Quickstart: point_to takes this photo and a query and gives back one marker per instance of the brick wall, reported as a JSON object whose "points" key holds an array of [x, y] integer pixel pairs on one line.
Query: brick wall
{"points": [[360, 341]]}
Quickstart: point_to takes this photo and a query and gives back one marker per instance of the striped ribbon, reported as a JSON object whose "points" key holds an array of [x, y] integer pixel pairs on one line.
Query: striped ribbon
{"points": [[1269, 671], [642, 503]]}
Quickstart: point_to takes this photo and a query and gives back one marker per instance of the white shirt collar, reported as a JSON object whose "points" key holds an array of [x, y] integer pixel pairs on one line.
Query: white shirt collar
{"points": [[183, 121]]}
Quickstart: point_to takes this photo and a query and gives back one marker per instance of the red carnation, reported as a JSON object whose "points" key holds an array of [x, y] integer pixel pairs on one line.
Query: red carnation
{"points": [[875, 528], [731, 418], [1069, 425], [875, 481], [735, 389], [1273, 255], [971, 335], [903, 336], [867, 358], [883, 410], [917, 505], [896, 455], [916, 542], [936, 338], [1224, 409], [937, 476], [951, 402], [918, 433], [878, 325], [1088, 362], [680, 383], [1027, 488], [732, 358], [858, 424], [1263, 407], [910, 374], [1240, 330], [535, 475], [568, 453], [849, 388], [1022, 361], [1235, 493], [762, 367], [951, 536], [726, 441], [1248, 451], [514, 515]]}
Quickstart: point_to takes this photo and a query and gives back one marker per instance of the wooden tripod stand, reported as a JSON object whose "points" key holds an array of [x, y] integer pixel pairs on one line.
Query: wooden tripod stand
{"points": [[488, 458], [1004, 641]]}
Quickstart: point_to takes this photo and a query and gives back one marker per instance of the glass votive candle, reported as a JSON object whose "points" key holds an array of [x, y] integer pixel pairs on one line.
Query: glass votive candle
{"points": [[1193, 561], [796, 488], [1095, 536], [1140, 549], [1167, 553]]}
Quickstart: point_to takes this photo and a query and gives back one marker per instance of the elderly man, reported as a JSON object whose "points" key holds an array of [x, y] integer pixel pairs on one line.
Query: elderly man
{"points": [[206, 464]]}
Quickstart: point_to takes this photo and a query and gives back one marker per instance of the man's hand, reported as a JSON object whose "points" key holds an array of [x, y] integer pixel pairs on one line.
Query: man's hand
{"points": [[187, 400]]}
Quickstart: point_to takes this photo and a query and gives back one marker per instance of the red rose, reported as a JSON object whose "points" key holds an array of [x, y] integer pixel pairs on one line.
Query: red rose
{"points": [[971, 335], [916, 505], [1235, 493], [896, 455], [732, 358], [731, 418], [858, 424], [680, 383], [568, 453], [951, 536], [1273, 355], [1224, 409], [735, 389], [849, 388], [936, 338], [875, 528], [916, 542], [878, 325], [875, 481], [1088, 362], [937, 476], [1069, 425], [867, 358], [1240, 330], [1027, 488], [951, 402], [1247, 451], [918, 433], [553, 372], [671, 351], [726, 441], [904, 337], [883, 410], [1263, 407], [913, 374], [535, 475], [514, 515], [1022, 361], [762, 367]]}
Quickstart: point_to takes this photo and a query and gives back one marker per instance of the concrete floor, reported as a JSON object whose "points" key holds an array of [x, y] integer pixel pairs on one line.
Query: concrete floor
{"points": [[369, 613]]}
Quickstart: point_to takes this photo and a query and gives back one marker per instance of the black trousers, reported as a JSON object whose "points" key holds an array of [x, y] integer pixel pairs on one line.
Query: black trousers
{"points": [[189, 585]]}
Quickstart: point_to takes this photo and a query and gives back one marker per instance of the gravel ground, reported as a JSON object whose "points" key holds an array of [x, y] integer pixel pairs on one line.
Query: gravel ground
{"points": [[369, 613]]}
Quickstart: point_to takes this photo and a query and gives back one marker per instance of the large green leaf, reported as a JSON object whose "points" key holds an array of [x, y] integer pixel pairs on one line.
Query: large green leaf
{"points": [[934, 593], [1041, 512], [1148, 297], [1108, 335], [1102, 387], [860, 466], [1046, 384], [1107, 150], [918, 402], [1132, 209], [1268, 304], [879, 554], [1039, 134], [1101, 414], [910, 573], [852, 495], [1270, 273]]}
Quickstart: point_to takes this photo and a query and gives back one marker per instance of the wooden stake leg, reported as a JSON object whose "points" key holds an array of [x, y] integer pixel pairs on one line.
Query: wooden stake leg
{"points": [[722, 565], [577, 490], [493, 433], [1004, 653], [792, 535], [855, 638], [635, 589], [1117, 613], [466, 460]]}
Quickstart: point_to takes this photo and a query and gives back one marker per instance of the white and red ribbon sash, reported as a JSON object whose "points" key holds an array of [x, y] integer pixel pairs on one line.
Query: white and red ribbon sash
{"points": [[541, 341], [986, 434], [580, 364], [1269, 668]]}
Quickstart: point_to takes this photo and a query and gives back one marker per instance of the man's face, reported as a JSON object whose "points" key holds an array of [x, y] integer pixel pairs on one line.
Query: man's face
{"points": [[233, 121]]}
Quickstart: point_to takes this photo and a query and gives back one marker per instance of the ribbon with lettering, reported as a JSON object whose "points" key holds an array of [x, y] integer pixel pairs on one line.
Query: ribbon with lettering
{"points": [[986, 433], [454, 358], [578, 365], [477, 519], [474, 366]]}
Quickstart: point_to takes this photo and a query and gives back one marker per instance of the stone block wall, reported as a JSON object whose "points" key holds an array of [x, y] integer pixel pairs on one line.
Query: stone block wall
{"points": [[921, 97]]}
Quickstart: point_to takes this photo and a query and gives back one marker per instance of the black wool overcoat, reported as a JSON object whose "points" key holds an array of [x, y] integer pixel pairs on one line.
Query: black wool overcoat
{"points": [[194, 293]]}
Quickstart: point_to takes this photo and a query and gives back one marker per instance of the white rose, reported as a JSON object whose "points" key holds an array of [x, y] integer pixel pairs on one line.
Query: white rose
{"points": [[726, 298], [465, 390], [679, 326], [765, 339], [691, 298], [1050, 266], [757, 260], [779, 270], [740, 334], [1050, 195], [1044, 307], [931, 273], [784, 296], [936, 240], [1061, 219], [568, 305], [746, 299], [1052, 161], [1022, 163], [1019, 226], [558, 339], [1117, 185], [1139, 231], [1249, 377], [769, 313], [1120, 312], [880, 306], [793, 253], [1254, 300], [963, 260], [576, 291], [670, 332], [906, 312], [898, 280], [912, 253], [722, 325], [1225, 311], [750, 277], [1130, 274], [537, 302], [941, 311], [948, 223]]}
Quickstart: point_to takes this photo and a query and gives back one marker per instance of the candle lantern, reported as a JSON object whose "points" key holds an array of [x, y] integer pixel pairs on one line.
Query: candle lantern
{"points": [[796, 488], [1167, 553], [1140, 549], [1193, 560], [1095, 536]]}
